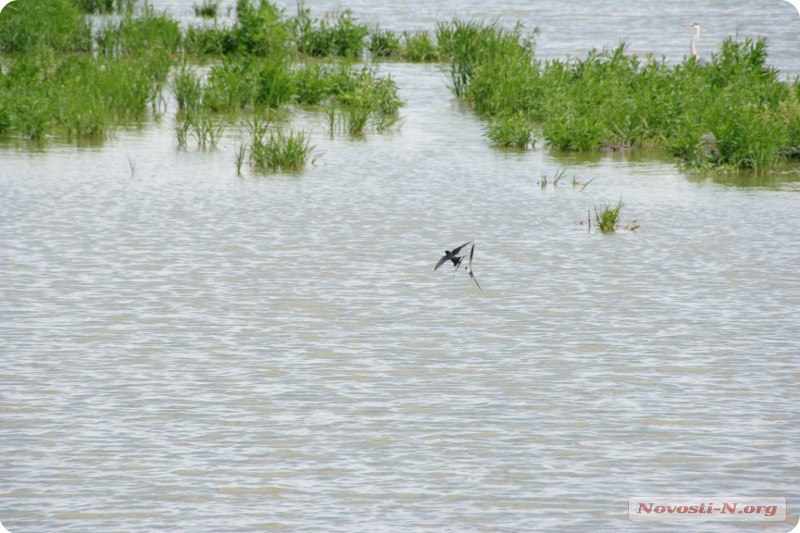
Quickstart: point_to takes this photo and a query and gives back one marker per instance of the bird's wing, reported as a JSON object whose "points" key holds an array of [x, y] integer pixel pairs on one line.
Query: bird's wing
{"points": [[440, 263], [472, 251], [456, 250]]}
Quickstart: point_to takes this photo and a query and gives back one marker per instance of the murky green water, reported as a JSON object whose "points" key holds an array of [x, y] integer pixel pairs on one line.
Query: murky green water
{"points": [[187, 349]]}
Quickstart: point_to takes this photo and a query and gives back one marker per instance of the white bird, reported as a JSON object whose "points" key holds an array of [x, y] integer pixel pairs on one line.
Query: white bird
{"points": [[692, 49]]}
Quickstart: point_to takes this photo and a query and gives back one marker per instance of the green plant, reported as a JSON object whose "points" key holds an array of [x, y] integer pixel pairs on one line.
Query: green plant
{"points": [[607, 218], [383, 43], [29, 25], [272, 151], [513, 130], [419, 47], [208, 9], [342, 37]]}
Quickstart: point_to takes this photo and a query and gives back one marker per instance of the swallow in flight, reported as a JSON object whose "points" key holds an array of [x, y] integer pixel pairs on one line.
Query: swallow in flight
{"points": [[451, 255]]}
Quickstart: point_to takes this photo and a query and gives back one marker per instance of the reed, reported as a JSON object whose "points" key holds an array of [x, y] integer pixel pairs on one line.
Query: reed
{"points": [[105, 6], [200, 41], [187, 88]]}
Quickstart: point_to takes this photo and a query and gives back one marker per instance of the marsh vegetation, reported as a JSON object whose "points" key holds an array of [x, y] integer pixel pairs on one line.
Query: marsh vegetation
{"points": [[733, 113]]}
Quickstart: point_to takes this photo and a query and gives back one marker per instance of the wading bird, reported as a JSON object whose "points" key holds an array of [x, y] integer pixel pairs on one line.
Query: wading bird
{"points": [[692, 49], [451, 255], [469, 268]]}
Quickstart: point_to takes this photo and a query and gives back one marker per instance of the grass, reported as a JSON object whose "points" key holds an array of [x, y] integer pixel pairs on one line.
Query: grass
{"points": [[208, 9], [75, 95], [206, 130], [147, 33], [418, 46], [273, 151], [610, 99], [32, 25], [104, 6], [511, 131], [63, 80], [340, 36], [383, 43], [607, 218]]}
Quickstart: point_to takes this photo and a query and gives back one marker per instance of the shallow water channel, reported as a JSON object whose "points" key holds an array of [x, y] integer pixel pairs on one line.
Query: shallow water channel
{"points": [[188, 349]]}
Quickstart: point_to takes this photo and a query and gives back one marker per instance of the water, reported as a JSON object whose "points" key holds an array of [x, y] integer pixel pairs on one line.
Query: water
{"points": [[187, 349]]}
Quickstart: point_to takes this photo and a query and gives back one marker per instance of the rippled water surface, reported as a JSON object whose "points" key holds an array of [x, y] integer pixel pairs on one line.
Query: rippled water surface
{"points": [[188, 349]]}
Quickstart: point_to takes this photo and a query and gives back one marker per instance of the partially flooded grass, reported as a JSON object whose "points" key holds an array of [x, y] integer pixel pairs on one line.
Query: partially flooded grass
{"points": [[271, 150], [207, 130], [511, 131], [608, 217], [32, 25], [146, 32], [419, 47], [207, 9], [733, 113], [77, 96], [341, 35]]}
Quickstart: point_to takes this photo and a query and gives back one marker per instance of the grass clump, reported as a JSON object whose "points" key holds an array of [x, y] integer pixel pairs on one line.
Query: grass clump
{"points": [[150, 32], [418, 46], [510, 131], [208, 9], [237, 84], [260, 30], [607, 218], [383, 43], [31, 25], [273, 151], [105, 6], [342, 36]]}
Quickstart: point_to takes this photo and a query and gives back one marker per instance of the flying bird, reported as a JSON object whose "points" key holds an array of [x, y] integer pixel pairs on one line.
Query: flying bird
{"points": [[469, 268], [451, 255]]}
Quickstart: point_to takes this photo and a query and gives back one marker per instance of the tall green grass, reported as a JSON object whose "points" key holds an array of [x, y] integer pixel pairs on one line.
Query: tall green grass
{"points": [[341, 36], [611, 99], [271, 150], [148, 32], [31, 25], [75, 96]]}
